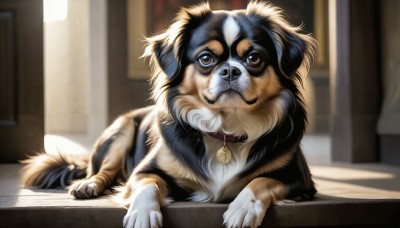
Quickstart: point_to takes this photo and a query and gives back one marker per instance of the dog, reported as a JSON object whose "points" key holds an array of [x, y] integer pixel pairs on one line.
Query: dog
{"points": [[226, 123]]}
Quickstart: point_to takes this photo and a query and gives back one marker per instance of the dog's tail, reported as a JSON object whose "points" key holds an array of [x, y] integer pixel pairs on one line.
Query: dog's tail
{"points": [[53, 171]]}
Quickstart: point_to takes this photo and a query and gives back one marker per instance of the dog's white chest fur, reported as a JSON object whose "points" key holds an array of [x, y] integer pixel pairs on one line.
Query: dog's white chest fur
{"points": [[218, 187]]}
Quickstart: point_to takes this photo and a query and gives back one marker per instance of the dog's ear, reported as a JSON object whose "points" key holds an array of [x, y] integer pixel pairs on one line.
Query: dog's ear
{"points": [[294, 50], [163, 50], [167, 59], [291, 52], [167, 49]]}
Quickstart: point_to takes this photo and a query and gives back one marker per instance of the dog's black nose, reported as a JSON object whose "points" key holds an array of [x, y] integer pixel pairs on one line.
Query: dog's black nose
{"points": [[230, 73]]}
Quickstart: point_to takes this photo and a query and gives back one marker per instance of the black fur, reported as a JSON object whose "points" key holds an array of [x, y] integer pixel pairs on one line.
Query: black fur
{"points": [[60, 177], [60, 173], [293, 53], [167, 59], [279, 141], [102, 151], [296, 176], [187, 145], [141, 142]]}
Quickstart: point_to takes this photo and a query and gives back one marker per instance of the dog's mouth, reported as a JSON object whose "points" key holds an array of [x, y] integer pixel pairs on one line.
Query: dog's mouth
{"points": [[229, 92]]}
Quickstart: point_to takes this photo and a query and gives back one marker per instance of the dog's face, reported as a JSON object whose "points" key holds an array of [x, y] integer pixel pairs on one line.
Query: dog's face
{"points": [[216, 67], [229, 67]]}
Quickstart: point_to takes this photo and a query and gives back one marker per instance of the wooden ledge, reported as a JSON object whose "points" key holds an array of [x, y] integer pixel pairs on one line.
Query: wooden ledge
{"points": [[349, 195]]}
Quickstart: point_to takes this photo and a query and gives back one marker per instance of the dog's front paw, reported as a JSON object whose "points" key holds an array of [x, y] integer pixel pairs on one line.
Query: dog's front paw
{"points": [[85, 189], [143, 219], [144, 211], [245, 211]]}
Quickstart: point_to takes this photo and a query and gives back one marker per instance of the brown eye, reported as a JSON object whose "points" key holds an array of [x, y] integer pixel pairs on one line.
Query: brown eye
{"points": [[254, 59], [206, 60]]}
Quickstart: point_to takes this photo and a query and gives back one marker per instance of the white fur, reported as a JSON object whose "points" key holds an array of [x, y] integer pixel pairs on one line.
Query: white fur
{"points": [[144, 210], [244, 78], [235, 121], [204, 119], [217, 188], [242, 83], [245, 211], [231, 30]]}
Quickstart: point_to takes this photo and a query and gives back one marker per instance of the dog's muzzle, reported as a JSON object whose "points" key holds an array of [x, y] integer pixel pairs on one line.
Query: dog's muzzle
{"points": [[229, 73]]}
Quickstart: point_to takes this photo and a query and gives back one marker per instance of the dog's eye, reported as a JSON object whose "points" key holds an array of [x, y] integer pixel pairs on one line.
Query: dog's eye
{"points": [[206, 60], [254, 59]]}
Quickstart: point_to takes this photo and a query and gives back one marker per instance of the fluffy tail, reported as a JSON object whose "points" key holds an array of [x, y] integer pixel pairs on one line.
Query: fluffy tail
{"points": [[53, 171]]}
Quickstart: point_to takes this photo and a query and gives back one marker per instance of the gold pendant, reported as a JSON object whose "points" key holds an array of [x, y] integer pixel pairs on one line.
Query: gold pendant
{"points": [[224, 154]]}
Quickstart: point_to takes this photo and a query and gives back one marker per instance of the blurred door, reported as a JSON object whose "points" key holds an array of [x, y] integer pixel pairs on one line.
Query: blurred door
{"points": [[21, 78]]}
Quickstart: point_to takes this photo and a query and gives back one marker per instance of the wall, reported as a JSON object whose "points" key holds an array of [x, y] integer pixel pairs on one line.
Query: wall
{"points": [[354, 73], [389, 120], [124, 93], [76, 70]]}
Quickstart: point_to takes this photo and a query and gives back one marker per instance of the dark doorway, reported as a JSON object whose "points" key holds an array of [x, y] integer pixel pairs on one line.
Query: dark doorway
{"points": [[21, 79]]}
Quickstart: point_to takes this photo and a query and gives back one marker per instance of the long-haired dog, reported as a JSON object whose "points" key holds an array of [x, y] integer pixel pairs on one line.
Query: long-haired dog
{"points": [[226, 125]]}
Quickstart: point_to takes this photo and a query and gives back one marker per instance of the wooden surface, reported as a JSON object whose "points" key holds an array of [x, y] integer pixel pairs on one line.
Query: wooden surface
{"points": [[348, 195]]}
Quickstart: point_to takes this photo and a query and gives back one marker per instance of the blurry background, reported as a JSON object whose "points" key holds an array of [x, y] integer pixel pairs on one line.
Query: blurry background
{"points": [[69, 67]]}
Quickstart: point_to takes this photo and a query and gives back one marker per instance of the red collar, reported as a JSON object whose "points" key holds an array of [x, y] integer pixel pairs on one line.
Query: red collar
{"points": [[228, 138]]}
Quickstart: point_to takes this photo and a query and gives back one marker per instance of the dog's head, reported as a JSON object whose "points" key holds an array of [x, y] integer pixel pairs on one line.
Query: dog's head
{"points": [[229, 71]]}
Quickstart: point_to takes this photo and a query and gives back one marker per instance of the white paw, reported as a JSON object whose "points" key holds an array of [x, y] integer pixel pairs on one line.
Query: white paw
{"points": [[245, 211], [144, 211], [143, 219]]}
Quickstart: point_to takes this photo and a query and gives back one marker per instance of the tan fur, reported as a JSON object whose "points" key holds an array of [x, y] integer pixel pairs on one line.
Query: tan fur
{"points": [[150, 179], [267, 85], [213, 45], [175, 168], [125, 193], [95, 183], [242, 47], [268, 190], [193, 83]]}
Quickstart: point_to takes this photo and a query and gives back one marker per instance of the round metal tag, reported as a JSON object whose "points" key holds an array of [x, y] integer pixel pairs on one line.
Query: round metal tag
{"points": [[224, 155]]}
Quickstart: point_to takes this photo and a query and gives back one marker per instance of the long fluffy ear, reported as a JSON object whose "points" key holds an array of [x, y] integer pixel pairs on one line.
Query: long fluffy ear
{"points": [[166, 50], [167, 58], [297, 50], [294, 50]]}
